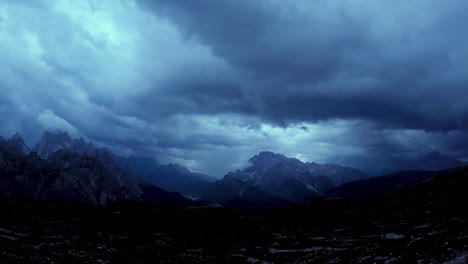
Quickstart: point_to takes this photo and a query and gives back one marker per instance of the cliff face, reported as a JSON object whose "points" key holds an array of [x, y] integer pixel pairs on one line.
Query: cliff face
{"points": [[291, 179], [17, 143], [65, 175]]}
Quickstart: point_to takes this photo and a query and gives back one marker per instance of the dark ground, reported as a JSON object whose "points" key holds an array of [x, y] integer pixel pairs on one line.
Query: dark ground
{"points": [[424, 224]]}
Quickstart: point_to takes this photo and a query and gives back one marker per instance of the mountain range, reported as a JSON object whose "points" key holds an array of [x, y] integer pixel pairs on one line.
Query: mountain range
{"points": [[171, 177], [59, 167], [289, 179], [67, 169]]}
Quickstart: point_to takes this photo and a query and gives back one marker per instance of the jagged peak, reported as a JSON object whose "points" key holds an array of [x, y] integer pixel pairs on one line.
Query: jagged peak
{"points": [[266, 159], [16, 136], [17, 142], [51, 141]]}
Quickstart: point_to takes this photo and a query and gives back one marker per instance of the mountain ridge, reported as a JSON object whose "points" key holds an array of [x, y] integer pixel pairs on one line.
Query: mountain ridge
{"points": [[172, 177], [291, 179], [86, 174], [17, 142]]}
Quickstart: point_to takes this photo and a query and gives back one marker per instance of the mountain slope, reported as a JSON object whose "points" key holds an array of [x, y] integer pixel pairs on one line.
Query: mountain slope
{"points": [[338, 174], [90, 175], [17, 142], [51, 141], [380, 185], [64, 176], [171, 177], [233, 192], [436, 161], [291, 179]]}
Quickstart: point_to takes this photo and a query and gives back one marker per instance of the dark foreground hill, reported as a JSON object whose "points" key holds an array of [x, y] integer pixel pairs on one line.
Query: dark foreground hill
{"points": [[380, 185], [426, 223]]}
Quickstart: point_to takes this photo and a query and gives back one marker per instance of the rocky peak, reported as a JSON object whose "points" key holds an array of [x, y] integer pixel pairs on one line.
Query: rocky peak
{"points": [[267, 156], [81, 143], [82, 147], [290, 178], [17, 143], [266, 161], [52, 141], [337, 173]]}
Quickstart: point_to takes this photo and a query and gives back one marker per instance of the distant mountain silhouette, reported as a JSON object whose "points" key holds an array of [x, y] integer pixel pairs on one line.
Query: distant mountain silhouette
{"points": [[435, 161], [430, 161], [171, 177]]}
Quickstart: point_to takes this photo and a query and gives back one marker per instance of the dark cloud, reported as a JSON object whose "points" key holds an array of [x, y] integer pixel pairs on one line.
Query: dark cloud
{"points": [[397, 66], [210, 83]]}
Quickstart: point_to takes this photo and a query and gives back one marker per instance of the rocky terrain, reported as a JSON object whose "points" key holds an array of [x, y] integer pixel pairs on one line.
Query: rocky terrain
{"points": [[288, 178], [233, 192], [77, 203], [426, 223], [17, 143], [75, 171]]}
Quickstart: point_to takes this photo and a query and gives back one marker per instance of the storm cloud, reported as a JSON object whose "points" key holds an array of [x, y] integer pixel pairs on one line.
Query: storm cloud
{"points": [[210, 83]]}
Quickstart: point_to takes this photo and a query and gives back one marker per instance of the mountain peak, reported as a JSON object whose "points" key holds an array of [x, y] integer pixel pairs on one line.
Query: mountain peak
{"points": [[292, 179], [17, 142], [267, 156], [51, 141], [17, 136], [266, 160]]}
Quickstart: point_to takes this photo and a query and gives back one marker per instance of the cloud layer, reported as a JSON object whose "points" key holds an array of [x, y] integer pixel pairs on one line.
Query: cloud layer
{"points": [[210, 83]]}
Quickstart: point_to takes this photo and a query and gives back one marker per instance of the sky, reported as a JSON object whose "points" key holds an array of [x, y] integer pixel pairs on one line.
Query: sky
{"points": [[208, 84]]}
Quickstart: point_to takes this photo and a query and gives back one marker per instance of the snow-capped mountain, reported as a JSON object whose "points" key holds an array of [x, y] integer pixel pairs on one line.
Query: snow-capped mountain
{"points": [[17, 142], [292, 179]]}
